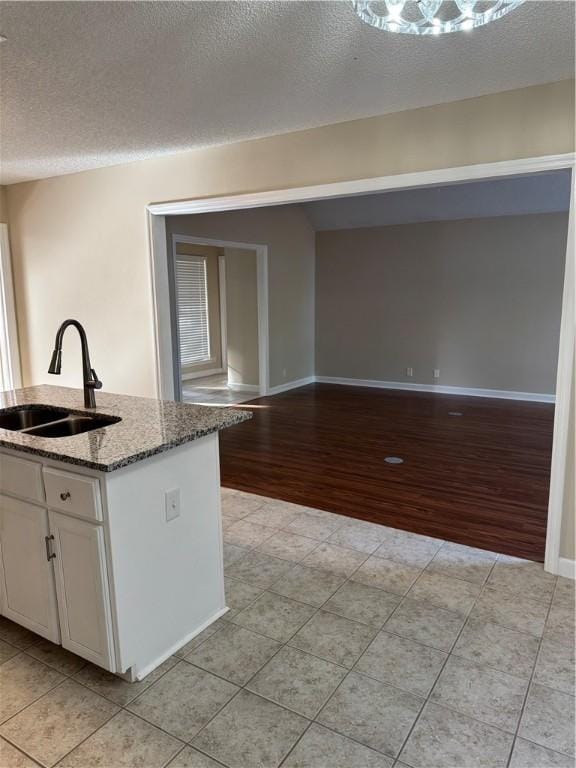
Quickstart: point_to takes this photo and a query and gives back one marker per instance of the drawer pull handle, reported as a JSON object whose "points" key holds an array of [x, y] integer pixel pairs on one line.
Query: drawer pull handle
{"points": [[49, 553], [65, 495]]}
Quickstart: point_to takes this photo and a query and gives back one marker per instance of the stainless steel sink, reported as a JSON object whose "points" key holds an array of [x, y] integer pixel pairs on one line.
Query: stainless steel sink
{"points": [[43, 421], [72, 425], [27, 416]]}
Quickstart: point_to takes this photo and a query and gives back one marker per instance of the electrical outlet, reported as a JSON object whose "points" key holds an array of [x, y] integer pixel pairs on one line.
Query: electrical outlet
{"points": [[436, 373], [409, 371], [172, 504]]}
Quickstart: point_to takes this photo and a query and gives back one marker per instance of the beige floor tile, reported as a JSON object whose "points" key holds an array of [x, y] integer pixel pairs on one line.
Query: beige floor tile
{"points": [[556, 666], [523, 577], [511, 610], [196, 641], [274, 616], [401, 662], [288, 546], [451, 594], [446, 739], [125, 741], [251, 731], [22, 681], [183, 700], [561, 622], [258, 569], [426, 624], [549, 719], [408, 548], [528, 755], [235, 654], [314, 526], [115, 688], [461, 562], [330, 557], [334, 638], [10, 757], [492, 645], [320, 748], [390, 576], [308, 585], [275, 514], [191, 758], [16, 635], [239, 595], [245, 534], [354, 537], [372, 713], [55, 724], [358, 602], [486, 694], [57, 657], [298, 681], [7, 651]]}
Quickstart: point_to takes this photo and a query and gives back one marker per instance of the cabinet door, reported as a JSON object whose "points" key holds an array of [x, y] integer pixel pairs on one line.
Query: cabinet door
{"points": [[28, 595], [82, 587]]}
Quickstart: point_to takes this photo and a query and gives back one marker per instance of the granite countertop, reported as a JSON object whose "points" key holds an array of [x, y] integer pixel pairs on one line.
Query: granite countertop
{"points": [[147, 426]]}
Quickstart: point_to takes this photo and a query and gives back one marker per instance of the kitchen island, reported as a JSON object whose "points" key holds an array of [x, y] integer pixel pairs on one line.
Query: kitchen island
{"points": [[110, 538]]}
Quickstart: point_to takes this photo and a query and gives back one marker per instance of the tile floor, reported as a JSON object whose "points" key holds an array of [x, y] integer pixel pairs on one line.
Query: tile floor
{"points": [[213, 390], [348, 645]]}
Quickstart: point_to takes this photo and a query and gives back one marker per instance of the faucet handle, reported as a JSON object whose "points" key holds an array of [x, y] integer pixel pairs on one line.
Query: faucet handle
{"points": [[95, 383]]}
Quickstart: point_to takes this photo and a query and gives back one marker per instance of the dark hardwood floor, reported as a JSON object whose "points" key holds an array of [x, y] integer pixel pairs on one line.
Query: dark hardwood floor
{"points": [[479, 479]]}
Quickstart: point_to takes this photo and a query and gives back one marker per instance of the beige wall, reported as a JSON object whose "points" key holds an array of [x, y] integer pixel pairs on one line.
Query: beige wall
{"points": [[80, 242], [478, 299], [290, 240], [242, 316]]}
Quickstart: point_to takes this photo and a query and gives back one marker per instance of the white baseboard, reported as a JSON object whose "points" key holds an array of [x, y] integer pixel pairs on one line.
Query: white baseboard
{"points": [[291, 385], [243, 387], [201, 374], [441, 389], [567, 568]]}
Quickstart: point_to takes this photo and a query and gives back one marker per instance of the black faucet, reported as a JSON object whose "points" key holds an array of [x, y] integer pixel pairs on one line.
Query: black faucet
{"points": [[91, 381]]}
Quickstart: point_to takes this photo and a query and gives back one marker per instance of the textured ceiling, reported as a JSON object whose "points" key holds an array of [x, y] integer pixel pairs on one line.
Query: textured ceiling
{"points": [[87, 84], [538, 193]]}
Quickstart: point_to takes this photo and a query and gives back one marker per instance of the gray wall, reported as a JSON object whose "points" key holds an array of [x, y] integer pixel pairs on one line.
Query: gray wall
{"points": [[290, 240], [242, 316], [478, 299]]}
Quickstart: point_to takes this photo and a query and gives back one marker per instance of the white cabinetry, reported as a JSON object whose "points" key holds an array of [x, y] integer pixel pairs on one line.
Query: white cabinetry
{"points": [[81, 584], [27, 582], [91, 560]]}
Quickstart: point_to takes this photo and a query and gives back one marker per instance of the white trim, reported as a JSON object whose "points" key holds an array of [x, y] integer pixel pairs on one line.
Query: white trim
{"points": [[162, 318], [291, 385], [9, 349], [439, 389], [244, 387], [223, 317], [564, 383], [567, 568], [365, 186], [442, 176]]}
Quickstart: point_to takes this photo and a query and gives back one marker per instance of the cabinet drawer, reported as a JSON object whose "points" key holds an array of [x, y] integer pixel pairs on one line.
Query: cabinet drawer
{"points": [[21, 477], [77, 494]]}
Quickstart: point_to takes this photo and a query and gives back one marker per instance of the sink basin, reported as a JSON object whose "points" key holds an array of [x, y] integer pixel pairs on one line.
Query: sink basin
{"points": [[72, 425], [29, 416]]}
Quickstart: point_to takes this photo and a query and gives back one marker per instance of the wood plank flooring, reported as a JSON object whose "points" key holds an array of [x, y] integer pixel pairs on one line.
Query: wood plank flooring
{"points": [[479, 479]]}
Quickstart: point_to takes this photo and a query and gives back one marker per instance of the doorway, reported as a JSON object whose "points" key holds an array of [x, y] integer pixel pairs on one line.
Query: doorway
{"points": [[218, 313]]}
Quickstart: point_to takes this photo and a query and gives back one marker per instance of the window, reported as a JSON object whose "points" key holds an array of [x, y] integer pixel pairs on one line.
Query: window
{"points": [[9, 357], [192, 309]]}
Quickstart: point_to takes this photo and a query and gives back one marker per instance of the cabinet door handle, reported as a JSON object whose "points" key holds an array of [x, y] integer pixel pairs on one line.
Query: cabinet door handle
{"points": [[49, 553], [65, 495]]}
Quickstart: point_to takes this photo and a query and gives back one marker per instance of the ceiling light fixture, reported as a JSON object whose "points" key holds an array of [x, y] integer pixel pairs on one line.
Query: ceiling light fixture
{"points": [[431, 17]]}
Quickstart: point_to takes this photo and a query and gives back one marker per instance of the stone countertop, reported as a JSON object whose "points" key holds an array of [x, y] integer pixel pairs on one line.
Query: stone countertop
{"points": [[147, 426]]}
